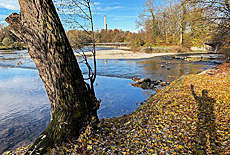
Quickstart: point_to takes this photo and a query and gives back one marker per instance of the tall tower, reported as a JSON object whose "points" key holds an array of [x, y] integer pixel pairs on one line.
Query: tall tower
{"points": [[105, 25]]}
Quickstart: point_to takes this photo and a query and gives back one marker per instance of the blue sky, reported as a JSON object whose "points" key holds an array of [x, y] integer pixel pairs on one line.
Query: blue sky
{"points": [[121, 14]]}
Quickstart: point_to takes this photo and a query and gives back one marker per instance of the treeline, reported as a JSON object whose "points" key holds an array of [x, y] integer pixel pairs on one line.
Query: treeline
{"points": [[189, 23], [8, 40], [172, 24], [6, 33], [79, 38]]}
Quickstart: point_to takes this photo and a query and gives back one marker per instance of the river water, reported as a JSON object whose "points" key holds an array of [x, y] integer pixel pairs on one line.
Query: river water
{"points": [[24, 105]]}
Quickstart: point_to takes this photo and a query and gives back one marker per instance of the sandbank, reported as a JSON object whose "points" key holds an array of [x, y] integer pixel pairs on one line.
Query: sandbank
{"points": [[123, 54]]}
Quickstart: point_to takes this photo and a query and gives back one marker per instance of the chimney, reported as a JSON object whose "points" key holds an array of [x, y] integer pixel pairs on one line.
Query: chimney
{"points": [[105, 25]]}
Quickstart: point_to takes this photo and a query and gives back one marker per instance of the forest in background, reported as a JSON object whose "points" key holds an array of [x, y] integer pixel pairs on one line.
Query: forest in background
{"points": [[176, 23]]}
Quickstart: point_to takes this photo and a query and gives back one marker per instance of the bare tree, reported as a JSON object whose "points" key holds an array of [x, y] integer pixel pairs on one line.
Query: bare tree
{"points": [[218, 17], [72, 106], [77, 14], [183, 21], [147, 19], [173, 23]]}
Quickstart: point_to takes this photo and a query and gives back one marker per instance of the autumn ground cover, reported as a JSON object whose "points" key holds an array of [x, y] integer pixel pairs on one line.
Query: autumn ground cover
{"points": [[191, 116], [174, 121]]}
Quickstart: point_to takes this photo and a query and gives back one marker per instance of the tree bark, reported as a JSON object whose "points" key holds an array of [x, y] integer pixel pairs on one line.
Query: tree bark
{"points": [[72, 106]]}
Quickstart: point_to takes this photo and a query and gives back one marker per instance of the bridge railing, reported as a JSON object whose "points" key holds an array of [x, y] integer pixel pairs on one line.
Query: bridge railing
{"points": [[111, 44]]}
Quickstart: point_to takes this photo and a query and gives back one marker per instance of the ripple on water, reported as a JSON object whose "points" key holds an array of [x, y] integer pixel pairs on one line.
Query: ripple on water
{"points": [[25, 109]]}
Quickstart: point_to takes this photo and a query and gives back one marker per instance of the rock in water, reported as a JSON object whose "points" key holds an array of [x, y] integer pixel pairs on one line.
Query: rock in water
{"points": [[135, 78], [143, 80]]}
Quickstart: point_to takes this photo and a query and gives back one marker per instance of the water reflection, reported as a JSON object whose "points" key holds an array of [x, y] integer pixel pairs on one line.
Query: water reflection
{"points": [[118, 97], [158, 68], [24, 110], [24, 106], [16, 59]]}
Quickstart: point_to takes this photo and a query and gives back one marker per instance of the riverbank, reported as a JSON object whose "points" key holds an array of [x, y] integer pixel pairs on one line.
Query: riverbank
{"points": [[169, 122], [126, 53], [6, 49], [123, 54]]}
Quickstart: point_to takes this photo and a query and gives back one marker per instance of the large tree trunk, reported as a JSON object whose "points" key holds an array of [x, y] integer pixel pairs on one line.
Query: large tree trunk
{"points": [[72, 106]]}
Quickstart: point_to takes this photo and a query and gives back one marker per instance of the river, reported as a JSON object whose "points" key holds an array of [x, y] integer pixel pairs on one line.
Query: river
{"points": [[24, 105]]}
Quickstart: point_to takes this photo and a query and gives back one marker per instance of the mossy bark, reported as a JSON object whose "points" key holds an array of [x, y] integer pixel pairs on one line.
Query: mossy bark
{"points": [[72, 106]]}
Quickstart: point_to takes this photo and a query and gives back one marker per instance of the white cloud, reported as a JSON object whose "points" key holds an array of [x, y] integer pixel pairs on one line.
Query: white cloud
{"points": [[3, 22], [3, 16], [102, 7], [9, 4], [2, 19], [108, 8], [96, 3]]}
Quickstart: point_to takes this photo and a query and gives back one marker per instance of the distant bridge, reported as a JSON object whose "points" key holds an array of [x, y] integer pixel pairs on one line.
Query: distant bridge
{"points": [[112, 44]]}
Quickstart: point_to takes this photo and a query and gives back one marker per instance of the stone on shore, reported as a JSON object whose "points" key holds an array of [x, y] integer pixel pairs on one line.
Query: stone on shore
{"points": [[147, 83]]}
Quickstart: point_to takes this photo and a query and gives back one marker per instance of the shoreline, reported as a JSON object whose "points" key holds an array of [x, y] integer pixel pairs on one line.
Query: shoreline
{"points": [[125, 54], [122, 54], [178, 53], [163, 114], [11, 49]]}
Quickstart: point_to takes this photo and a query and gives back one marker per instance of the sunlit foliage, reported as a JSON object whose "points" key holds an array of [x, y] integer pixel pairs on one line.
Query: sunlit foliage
{"points": [[174, 23]]}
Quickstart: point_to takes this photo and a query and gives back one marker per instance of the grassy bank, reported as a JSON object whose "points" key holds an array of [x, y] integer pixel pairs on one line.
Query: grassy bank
{"points": [[177, 120]]}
